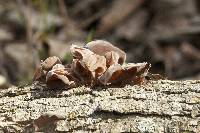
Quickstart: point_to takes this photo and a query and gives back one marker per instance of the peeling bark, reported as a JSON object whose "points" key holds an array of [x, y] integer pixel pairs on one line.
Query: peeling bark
{"points": [[157, 107]]}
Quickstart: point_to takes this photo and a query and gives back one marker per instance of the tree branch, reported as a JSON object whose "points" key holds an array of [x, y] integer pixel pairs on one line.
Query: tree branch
{"points": [[158, 106]]}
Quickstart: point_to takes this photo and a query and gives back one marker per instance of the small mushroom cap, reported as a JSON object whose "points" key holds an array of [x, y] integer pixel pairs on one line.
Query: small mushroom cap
{"points": [[50, 62], [111, 74], [87, 66], [101, 47]]}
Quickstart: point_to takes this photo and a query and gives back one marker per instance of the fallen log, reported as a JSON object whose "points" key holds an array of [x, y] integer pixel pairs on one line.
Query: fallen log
{"points": [[158, 106]]}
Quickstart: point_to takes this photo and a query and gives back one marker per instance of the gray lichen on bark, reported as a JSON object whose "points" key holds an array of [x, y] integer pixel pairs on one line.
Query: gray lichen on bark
{"points": [[158, 106]]}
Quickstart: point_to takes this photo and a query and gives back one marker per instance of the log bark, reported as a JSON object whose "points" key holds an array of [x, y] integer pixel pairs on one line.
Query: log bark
{"points": [[157, 107]]}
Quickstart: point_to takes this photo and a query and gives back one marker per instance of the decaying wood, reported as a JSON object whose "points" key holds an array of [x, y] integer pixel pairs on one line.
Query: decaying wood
{"points": [[159, 106]]}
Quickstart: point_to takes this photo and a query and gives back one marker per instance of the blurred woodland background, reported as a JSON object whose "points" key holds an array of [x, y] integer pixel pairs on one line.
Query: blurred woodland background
{"points": [[165, 33]]}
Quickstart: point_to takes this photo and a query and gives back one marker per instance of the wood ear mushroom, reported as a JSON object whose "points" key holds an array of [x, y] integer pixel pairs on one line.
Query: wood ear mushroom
{"points": [[99, 63]]}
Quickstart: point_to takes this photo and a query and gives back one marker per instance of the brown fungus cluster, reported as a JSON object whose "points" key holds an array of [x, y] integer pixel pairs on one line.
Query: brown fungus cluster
{"points": [[97, 63]]}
